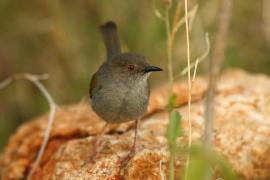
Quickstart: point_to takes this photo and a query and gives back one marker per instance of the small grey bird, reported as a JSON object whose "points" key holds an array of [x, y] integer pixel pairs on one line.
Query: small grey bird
{"points": [[119, 90]]}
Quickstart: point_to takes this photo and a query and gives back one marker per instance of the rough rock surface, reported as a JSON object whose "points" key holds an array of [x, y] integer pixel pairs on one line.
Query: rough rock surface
{"points": [[241, 135]]}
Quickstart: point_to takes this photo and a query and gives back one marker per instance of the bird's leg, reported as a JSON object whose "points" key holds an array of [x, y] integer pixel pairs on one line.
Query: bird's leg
{"points": [[134, 145], [132, 151], [97, 141], [96, 149]]}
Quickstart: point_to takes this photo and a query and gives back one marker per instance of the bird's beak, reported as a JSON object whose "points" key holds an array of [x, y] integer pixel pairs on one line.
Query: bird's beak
{"points": [[151, 69]]}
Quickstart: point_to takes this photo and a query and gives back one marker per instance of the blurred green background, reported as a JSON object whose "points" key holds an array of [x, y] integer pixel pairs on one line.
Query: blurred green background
{"points": [[61, 38]]}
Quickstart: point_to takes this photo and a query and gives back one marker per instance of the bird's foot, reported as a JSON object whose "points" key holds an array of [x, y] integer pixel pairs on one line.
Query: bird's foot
{"points": [[125, 160], [97, 146]]}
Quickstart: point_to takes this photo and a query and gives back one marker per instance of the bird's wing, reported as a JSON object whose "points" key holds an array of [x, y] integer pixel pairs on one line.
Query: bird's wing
{"points": [[92, 84]]}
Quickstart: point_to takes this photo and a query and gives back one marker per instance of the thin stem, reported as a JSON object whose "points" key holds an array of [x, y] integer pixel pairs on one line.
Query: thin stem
{"points": [[201, 58], [215, 66], [195, 71], [171, 164], [48, 129], [161, 171], [191, 14], [189, 85], [169, 49], [35, 79], [170, 71]]}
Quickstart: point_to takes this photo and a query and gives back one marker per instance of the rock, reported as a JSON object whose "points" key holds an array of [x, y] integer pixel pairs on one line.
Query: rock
{"points": [[241, 135]]}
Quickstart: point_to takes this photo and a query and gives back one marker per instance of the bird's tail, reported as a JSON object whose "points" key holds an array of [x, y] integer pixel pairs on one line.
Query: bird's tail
{"points": [[110, 38]]}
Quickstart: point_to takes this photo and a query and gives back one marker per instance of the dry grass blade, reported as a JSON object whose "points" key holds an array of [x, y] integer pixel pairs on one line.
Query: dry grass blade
{"points": [[191, 15], [158, 14], [161, 171], [189, 85], [156, 11], [195, 71]]}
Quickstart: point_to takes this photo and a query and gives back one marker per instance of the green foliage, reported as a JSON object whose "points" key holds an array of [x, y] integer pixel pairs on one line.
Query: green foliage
{"points": [[225, 169], [199, 167], [204, 162], [171, 103], [174, 130]]}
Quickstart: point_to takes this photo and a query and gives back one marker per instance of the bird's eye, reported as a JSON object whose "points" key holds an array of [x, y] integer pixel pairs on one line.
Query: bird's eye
{"points": [[131, 67]]}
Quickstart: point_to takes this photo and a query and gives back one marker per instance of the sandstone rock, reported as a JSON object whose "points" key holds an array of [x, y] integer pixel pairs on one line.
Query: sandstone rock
{"points": [[241, 135]]}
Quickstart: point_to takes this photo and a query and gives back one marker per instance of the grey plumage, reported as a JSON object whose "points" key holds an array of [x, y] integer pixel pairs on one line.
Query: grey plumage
{"points": [[120, 94], [111, 39], [119, 90]]}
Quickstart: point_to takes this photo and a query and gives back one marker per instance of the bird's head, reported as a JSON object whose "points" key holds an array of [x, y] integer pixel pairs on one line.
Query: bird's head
{"points": [[130, 65]]}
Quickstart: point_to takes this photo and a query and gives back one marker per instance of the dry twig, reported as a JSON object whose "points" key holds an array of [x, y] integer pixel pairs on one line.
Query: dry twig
{"points": [[161, 171], [35, 79], [199, 59]]}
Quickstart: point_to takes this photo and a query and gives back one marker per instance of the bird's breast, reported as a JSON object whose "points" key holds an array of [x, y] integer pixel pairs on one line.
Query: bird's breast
{"points": [[119, 101]]}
